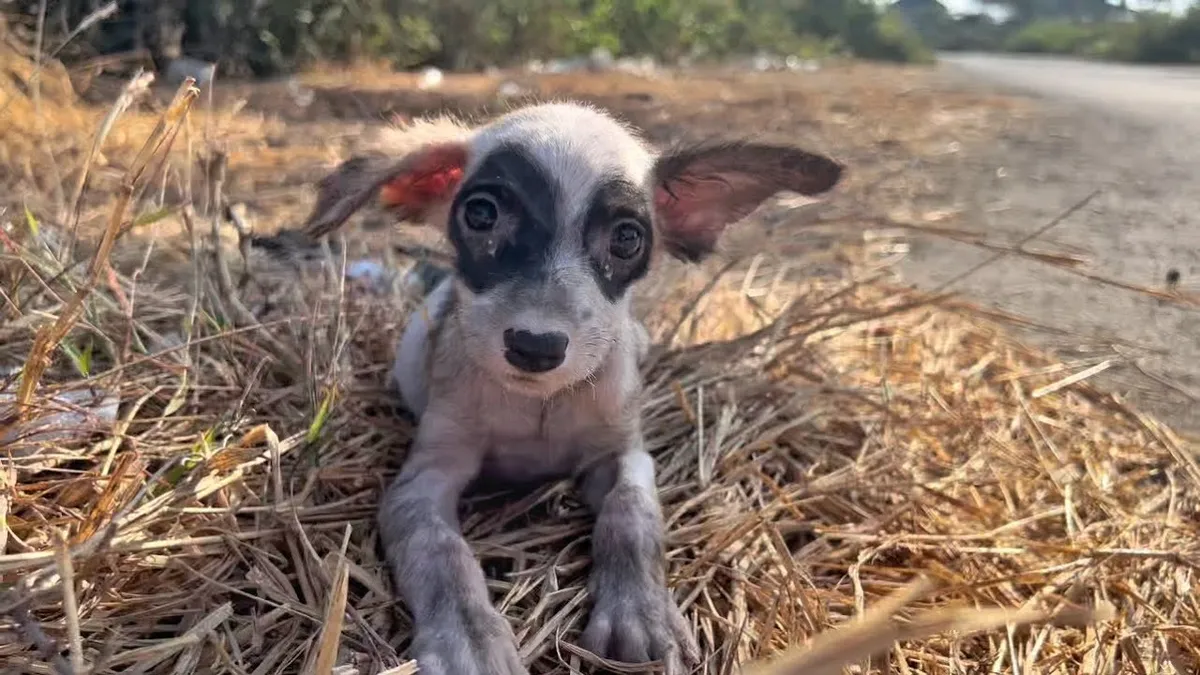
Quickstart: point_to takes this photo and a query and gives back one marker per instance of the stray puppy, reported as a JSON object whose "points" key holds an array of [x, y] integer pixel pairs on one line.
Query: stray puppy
{"points": [[522, 365]]}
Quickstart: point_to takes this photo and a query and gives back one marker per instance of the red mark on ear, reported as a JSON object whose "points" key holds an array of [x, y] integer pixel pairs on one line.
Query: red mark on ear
{"points": [[431, 180]]}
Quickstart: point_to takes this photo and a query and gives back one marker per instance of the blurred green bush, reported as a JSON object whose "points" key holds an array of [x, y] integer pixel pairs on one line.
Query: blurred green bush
{"points": [[266, 37], [1150, 38]]}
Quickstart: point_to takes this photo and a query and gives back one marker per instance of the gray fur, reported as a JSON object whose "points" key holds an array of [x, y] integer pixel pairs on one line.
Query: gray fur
{"points": [[482, 418]]}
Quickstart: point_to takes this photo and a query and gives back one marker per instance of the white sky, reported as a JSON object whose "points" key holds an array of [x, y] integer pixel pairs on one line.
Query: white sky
{"points": [[966, 6]]}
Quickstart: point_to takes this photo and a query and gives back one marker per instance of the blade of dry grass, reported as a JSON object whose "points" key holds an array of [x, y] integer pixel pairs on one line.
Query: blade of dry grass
{"points": [[1074, 378], [875, 632], [8, 486], [66, 572], [331, 628]]}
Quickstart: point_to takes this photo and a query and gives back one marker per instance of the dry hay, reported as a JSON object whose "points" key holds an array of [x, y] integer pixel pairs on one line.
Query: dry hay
{"points": [[842, 438]]}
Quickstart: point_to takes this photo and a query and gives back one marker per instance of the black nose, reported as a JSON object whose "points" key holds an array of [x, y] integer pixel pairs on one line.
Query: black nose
{"points": [[535, 352]]}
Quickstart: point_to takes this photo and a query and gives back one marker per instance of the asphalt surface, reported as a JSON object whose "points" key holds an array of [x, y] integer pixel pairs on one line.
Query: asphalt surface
{"points": [[1149, 94], [1131, 132]]}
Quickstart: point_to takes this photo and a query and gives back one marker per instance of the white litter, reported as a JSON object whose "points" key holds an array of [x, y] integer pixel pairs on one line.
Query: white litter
{"points": [[509, 89], [301, 95], [72, 415], [431, 78], [367, 270]]}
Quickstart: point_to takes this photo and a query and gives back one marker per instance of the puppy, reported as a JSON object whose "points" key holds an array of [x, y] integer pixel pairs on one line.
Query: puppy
{"points": [[523, 363]]}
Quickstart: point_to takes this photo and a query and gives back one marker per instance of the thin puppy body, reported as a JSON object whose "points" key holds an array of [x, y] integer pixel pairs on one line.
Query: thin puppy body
{"points": [[523, 363]]}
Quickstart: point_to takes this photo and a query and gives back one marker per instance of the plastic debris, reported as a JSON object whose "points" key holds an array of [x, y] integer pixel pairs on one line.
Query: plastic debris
{"points": [[509, 89], [764, 62], [59, 419], [431, 78], [367, 270]]}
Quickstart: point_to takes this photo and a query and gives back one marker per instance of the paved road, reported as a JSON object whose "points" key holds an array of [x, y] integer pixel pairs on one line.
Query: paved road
{"points": [[1150, 94], [1131, 132]]}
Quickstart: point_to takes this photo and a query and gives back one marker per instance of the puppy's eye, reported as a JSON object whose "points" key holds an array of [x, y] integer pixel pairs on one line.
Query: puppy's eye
{"points": [[479, 212], [627, 239]]}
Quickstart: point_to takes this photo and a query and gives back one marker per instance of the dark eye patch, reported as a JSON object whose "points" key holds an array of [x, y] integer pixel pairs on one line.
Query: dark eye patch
{"points": [[617, 235], [519, 243]]}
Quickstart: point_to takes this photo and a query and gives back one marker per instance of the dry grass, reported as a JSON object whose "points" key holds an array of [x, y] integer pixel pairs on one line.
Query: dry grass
{"points": [[823, 440]]}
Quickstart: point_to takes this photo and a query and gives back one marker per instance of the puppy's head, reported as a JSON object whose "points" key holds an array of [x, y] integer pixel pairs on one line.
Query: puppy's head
{"points": [[554, 211]]}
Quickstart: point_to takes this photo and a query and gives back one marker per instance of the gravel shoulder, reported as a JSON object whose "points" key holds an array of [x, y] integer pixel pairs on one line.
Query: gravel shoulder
{"points": [[1131, 134]]}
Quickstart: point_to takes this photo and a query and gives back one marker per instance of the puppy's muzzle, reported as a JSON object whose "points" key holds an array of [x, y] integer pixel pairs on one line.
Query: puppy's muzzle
{"points": [[535, 352]]}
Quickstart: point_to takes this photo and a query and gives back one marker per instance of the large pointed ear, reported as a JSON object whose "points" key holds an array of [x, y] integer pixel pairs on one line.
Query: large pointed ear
{"points": [[700, 190], [409, 187]]}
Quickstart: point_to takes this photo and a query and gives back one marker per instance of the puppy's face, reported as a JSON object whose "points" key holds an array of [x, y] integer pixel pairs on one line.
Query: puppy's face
{"points": [[552, 223], [555, 211]]}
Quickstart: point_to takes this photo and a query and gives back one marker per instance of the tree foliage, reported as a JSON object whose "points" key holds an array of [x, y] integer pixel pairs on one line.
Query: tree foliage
{"points": [[1151, 38], [1028, 11], [271, 36], [1100, 29]]}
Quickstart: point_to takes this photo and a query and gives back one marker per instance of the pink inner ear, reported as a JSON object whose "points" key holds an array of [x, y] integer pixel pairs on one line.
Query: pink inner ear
{"points": [[694, 211], [432, 179]]}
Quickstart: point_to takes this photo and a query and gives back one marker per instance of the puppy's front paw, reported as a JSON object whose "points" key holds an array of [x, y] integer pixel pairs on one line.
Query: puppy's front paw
{"points": [[467, 643], [636, 623]]}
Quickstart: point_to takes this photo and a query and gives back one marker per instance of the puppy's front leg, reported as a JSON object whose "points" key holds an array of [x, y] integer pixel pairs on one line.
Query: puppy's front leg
{"points": [[457, 631], [634, 618]]}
